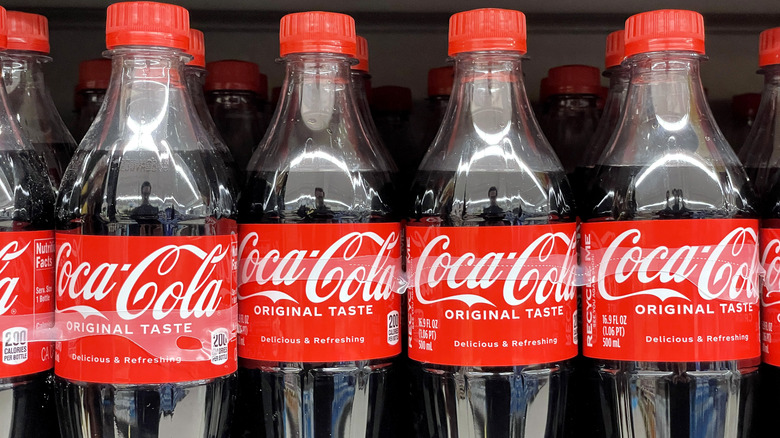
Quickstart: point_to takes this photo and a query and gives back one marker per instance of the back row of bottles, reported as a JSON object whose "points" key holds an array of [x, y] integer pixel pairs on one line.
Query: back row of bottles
{"points": [[213, 263]]}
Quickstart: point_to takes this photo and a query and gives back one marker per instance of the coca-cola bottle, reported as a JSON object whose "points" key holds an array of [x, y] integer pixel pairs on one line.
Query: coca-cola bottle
{"points": [[761, 156], [491, 251], [29, 98], [146, 240], [27, 298], [94, 75], [233, 96], [572, 112], [439, 90], [613, 106], [319, 316], [195, 74], [669, 244]]}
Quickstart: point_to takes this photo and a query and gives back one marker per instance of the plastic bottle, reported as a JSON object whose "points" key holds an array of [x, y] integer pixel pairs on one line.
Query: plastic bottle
{"points": [[493, 225], [94, 75], [26, 235], [761, 155], [439, 90], [572, 112], [233, 96], [195, 73], [613, 107], [317, 341], [28, 96], [669, 244], [146, 239]]}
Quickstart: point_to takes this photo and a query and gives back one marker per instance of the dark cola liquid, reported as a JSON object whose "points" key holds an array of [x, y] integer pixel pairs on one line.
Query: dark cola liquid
{"points": [[57, 156], [689, 399], [26, 204], [197, 409], [492, 402], [318, 400]]}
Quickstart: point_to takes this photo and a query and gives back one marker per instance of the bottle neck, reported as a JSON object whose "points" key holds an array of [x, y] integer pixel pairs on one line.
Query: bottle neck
{"points": [[666, 103], [489, 109], [489, 93], [318, 93], [23, 70], [11, 137], [148, 95]]}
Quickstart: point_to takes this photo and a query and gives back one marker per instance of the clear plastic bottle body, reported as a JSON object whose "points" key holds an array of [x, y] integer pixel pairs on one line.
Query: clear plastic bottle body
{"points": [[668, 137], [569, 123], [27, 204], [33, 107], [490, 140], [147, 133], [91, 101], [237, 116], [761, 151], [316, 141]]}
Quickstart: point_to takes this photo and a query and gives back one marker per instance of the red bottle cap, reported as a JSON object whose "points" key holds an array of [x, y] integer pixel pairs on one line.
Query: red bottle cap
{"points": [[317, 32], [147, 24], [263, 91], [616, 49], [197, 49], [769, 47], [665, 30], [391, 98], [94, 74], [440, 81], [233, 75], [28, 32], [3, 29], [487, 29], [573, 79], [745, 105], [361, 55]]}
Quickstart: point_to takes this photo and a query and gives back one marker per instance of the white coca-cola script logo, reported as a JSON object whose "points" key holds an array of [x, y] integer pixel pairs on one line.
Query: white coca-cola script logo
{"points": [[725, 270], [196, 296], [541, 271], [8, 283], [770, 260], [345, 270]]}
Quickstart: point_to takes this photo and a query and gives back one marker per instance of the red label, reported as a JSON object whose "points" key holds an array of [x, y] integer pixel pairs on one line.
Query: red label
{"points": [[770, 299], [319, 292], [492, 296], [671, 290], [26, 301], [137, 310]]}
